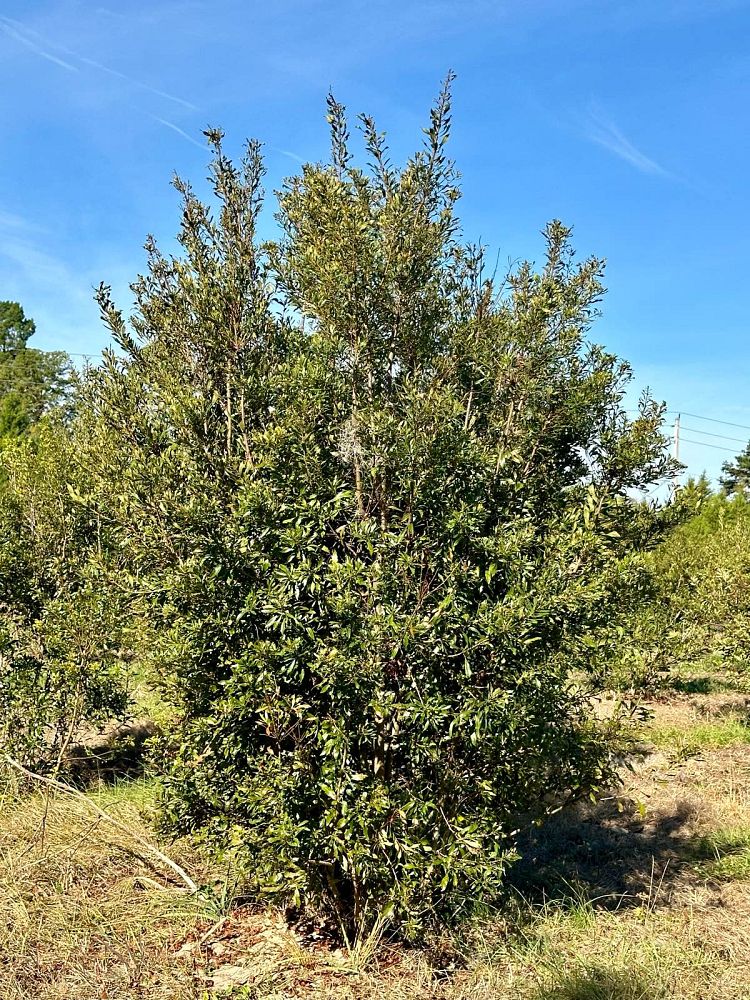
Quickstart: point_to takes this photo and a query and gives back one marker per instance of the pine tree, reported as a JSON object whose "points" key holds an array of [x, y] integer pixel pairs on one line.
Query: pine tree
{"points": [[736, 473]]}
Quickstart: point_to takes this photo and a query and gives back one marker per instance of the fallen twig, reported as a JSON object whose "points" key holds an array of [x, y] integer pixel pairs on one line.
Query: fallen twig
{"points": [[69, 790]]}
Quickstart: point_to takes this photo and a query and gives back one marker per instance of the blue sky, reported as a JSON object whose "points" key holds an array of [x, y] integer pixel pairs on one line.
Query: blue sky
{"points": [[627, 119]]}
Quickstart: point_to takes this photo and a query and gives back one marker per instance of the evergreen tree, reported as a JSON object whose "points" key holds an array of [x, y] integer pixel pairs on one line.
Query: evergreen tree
{"points": [[15, 328], [695, 492], [736, 473], [32, 382]]}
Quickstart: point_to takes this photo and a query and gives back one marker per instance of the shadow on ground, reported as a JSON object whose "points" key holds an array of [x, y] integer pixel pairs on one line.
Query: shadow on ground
{"points": [[602, 984], [611, 855], [698, 685], [116, 753]]}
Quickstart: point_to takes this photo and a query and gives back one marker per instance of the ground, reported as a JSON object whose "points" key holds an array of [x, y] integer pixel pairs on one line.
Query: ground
{"points": [[644, 895]]}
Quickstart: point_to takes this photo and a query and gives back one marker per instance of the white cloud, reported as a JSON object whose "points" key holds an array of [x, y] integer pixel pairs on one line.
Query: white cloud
{"points": [[178, 130], [7, 26], [46, 48], [605, 133]]}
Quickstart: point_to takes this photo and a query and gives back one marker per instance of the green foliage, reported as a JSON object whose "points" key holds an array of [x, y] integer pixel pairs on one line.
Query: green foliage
{"points": [[15, 327], [702, 576], [695, 492], [32, 382], [377, 509], [737, 473], [691, 605], [631, 652], [59, 625]]}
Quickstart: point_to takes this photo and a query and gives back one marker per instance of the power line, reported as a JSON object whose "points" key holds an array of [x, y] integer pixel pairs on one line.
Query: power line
{"points": [[705, 444], [41, 350], [714, 420], [16, 383], [696, 430]]}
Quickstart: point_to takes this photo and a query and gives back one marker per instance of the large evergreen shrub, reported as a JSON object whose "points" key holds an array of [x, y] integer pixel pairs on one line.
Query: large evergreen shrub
{"points": [[377, 507]]}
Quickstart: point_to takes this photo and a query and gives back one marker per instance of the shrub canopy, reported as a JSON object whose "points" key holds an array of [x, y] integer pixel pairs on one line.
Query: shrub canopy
{"points": [[375, 507]]}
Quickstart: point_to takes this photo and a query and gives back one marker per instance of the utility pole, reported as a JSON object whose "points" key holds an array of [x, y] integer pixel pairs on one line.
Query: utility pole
{"points": [[676, 450]]}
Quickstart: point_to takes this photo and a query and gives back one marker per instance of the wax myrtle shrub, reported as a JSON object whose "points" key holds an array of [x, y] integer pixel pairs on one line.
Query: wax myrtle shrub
{"points": [[689, 598], [636, 651], [60, 652], [378, 508], [61, 645], [701, 574]]}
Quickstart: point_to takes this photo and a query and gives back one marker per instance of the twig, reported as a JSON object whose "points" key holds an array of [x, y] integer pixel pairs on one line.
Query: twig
{"points": [[62, 787], [212, 930]]}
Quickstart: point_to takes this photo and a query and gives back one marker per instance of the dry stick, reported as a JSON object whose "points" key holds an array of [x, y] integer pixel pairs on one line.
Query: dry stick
{"points": [[62, 787], [212, 930]]}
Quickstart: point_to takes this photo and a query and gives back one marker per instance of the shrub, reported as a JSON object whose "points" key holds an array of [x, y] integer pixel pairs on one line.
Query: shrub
{"points": [[60, 659], [702, 572], [380, 507]]}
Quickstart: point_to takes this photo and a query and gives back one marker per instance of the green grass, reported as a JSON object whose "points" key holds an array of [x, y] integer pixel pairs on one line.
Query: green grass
{"points": [[131, 793], [147, 701], [605, 984], [708, 676], [686, 741], [731, 855], [703, 684], [578, 952]]}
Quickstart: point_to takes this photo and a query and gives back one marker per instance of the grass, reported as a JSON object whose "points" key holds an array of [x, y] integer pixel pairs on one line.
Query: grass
{"points": [[682, 743], [729, 855], [618, 956], [643, 897], [708, 720], [708, 677], [83, 912]]}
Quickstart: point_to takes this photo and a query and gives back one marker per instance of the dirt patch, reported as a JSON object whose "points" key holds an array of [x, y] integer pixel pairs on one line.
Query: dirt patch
{"points": [[110, 753], [641, 846], [262, 951], [687, 710]]}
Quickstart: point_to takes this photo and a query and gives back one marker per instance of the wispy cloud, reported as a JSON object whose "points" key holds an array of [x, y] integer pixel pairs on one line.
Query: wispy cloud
{"points": [[138, 83], [46, 48], [289, 154], [41, 269], [7, 26], [605, 133], [9, 220], [178, 130], [57, 292]]}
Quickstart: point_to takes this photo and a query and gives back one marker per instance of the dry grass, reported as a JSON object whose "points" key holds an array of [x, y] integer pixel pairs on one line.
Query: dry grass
{"points": [[644, 896], [83, 912]]}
